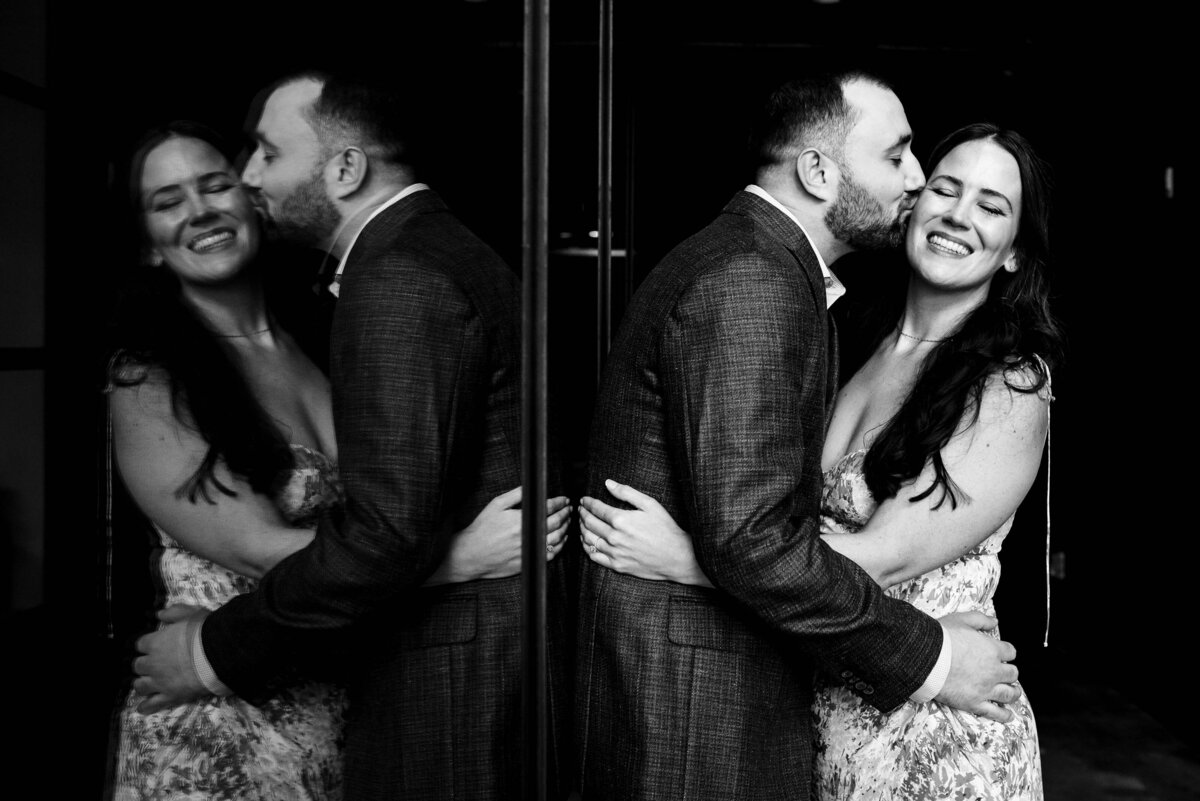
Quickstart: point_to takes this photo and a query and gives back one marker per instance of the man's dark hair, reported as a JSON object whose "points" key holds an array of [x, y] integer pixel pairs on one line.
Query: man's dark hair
{"points": [[353, 110], [804, 113]]}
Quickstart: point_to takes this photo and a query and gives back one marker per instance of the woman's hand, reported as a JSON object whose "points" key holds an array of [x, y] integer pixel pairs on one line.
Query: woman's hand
{"points": [[490, 547], [644, 541]]}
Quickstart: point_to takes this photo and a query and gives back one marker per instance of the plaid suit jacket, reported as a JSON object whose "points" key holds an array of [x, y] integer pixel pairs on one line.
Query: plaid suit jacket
{"points": [[714, 401], [425, 366]]}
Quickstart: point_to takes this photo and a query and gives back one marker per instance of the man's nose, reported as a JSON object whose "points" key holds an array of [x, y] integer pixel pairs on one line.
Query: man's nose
{"points": [[256, 198], [914, 176], [251, 176]]}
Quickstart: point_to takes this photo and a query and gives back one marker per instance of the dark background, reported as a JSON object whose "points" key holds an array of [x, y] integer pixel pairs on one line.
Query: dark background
{"points": [[1101, 98]]}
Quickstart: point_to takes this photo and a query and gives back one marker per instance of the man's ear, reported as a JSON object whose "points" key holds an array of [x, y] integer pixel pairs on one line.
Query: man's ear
{"points": [[347, 172], [818, 174]]}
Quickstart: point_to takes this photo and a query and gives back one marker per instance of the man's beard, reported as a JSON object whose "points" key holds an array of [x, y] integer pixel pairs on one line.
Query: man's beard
{"points": [[860, 220], [307, 216]]}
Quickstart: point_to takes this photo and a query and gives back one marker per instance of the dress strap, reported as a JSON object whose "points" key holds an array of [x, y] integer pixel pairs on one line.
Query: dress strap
{"points": [[1049, 400], [108, 518], [109, 386]]}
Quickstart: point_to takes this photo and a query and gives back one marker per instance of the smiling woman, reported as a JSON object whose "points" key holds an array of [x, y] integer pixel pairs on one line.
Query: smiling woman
{"points": [[964, 224], [223, 437], [933, 445], [198, 219], [201, 239]]}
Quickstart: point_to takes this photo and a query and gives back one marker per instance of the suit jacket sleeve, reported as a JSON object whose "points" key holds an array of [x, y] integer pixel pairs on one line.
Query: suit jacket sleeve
{"points": [[742, 388], [410, 358]]}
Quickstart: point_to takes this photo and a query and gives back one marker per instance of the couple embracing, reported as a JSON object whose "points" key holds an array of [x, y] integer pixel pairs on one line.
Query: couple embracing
{"points": [[716, 415], [747, 517], [339, 554]]}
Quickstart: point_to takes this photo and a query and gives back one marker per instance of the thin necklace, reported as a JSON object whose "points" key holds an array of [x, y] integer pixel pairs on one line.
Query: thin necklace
{"points": [[239, 336], [918, 339]]}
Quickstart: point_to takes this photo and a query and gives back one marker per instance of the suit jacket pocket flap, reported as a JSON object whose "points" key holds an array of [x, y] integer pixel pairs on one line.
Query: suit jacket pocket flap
{"points": [[449, 621], [700, 624]]}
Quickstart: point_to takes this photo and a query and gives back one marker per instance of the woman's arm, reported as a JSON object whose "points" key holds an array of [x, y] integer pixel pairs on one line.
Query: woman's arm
{"points": [[156, 453], [490, 547], [994, 462]]}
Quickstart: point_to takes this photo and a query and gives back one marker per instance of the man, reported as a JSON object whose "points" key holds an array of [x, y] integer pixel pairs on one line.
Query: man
{"points": [[425, 368], [715, 401]]}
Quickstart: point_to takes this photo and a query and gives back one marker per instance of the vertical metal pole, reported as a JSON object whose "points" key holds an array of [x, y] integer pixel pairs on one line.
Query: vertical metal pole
{"points": [[630, 165], [604, 200], [533, 401]]}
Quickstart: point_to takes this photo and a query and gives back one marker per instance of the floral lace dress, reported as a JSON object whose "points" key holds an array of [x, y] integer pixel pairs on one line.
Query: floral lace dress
{"points": [[920, 751], [288, 749]]}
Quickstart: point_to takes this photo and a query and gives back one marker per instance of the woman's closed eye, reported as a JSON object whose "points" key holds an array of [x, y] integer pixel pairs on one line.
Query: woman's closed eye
{"points": [[165, 204]]}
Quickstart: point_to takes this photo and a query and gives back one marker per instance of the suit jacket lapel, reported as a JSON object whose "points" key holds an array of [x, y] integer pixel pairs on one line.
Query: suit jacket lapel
{"points": [[778, 225], [787, 233], [378, 234]]}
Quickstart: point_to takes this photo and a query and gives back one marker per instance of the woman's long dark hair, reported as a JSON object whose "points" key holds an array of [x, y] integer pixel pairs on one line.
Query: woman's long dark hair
{"points": [[154, 329], [1008, 331]]}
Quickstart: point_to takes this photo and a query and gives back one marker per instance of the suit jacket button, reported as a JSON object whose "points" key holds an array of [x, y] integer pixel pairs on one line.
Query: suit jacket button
{"points": [[847, 674]]}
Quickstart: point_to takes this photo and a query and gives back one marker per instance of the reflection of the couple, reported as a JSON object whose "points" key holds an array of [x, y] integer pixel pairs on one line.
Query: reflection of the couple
{"points": [[210, 387]]}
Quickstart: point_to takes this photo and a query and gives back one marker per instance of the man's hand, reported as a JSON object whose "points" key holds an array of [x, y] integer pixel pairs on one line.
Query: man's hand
{"points": [[165, 673], [981, 678]]}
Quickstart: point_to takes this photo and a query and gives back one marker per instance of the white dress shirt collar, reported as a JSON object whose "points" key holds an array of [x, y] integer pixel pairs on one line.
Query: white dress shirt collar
{"points": [[834, 288], [335, 285]]}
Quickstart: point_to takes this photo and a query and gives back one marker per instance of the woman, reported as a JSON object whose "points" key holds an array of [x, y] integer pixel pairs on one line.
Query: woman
{"points": [[932, 446], [222, 432]]}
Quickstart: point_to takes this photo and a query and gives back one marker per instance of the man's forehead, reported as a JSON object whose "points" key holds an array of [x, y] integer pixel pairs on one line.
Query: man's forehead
{"points": [[881, 119], [284, 110]]}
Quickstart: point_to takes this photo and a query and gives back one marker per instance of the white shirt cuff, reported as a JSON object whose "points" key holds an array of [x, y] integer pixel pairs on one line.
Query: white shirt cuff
{"points": [[205, 672], [937, 677]]}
